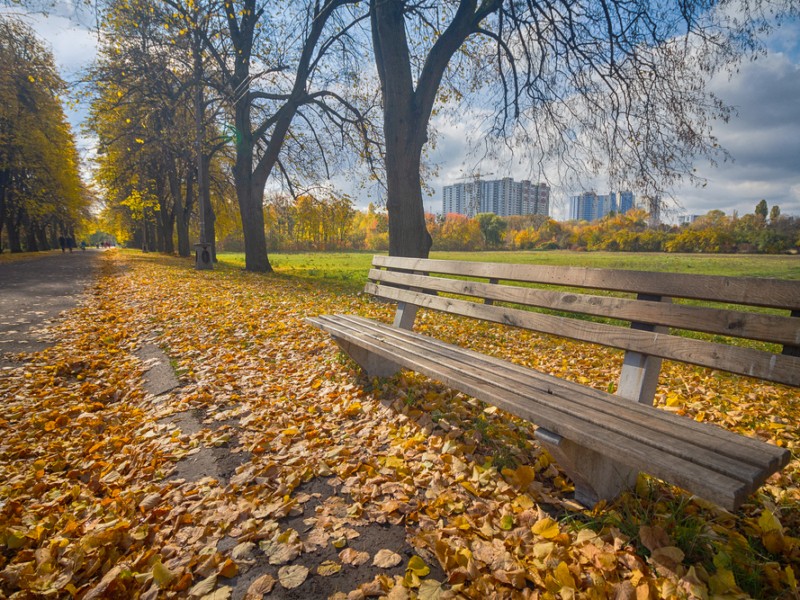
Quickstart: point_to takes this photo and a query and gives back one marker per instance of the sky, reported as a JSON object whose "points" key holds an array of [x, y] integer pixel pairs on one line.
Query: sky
{"points": [[763, 136]]}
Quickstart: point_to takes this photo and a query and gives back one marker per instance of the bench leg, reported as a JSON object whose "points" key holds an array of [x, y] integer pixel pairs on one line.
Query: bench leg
{"points": [[372, 364], [596, 477]]}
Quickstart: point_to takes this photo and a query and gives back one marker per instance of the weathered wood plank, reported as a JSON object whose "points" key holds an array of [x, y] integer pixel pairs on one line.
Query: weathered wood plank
{"points": [[777, 329], [775, 293], [722, 489], [625, 417], [743, 361]]}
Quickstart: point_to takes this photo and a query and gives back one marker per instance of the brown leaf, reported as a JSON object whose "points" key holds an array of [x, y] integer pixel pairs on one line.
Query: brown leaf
{"points": [[654, 537], [292, 576], [260, 587], [350, 556], [386, 559]]}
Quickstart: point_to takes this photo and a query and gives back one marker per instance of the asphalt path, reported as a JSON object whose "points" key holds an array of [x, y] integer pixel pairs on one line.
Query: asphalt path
{"points": [[34, 291]]}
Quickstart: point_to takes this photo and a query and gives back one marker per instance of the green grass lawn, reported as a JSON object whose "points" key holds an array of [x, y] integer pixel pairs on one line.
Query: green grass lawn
{"points": [[349, 269]]}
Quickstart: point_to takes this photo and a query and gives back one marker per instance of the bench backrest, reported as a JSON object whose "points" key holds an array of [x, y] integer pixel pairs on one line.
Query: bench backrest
{"points": [[650, 305]]}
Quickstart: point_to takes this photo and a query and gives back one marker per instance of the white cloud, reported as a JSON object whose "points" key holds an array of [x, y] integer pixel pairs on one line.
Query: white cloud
{"points": [[763, 140]]}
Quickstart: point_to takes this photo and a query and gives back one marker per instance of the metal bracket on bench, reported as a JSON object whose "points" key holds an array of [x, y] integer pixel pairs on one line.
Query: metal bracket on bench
{"points": [[372, 364], [596, 477]]}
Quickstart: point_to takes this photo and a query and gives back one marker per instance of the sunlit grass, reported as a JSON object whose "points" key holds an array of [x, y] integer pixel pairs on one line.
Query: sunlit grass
{"points": [[349, 269]]}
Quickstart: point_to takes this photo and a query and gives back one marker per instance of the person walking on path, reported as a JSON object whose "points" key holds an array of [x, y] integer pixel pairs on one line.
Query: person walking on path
{"points": [[62, 241]]}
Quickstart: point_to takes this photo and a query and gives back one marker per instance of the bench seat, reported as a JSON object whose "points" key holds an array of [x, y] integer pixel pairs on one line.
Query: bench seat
{"points": [[711, 462]]}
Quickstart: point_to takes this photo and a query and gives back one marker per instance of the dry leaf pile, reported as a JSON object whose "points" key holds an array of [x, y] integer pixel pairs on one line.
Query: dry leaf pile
{"points": [[316, 482]]}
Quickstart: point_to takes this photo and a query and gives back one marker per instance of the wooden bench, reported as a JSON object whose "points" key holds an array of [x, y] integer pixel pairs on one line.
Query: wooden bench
{"points": [[601, 440]]}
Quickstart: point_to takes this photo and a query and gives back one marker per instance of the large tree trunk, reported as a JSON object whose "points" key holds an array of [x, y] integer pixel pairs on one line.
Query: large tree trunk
{"points": [[249, 193], [408, 235], [407, 111]]}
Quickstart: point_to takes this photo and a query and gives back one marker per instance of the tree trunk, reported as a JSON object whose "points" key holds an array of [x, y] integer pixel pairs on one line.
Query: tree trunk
{"points": [[41, 236], [408, 235], [250, 196], [407, 111], [14, 241], [209, 217], [182, 212], [255, 242], [31, 244]]}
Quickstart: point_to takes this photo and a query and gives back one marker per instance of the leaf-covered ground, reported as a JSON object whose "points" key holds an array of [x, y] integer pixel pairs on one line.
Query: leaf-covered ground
{"points": [[321, 483]]}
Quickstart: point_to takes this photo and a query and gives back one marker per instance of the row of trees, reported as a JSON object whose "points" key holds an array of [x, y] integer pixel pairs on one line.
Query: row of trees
{"points": [[240, 93], [41, 194]]}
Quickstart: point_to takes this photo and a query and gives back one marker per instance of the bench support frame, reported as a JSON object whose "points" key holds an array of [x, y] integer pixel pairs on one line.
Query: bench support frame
{"points": [[372, 364], [596, 477]]}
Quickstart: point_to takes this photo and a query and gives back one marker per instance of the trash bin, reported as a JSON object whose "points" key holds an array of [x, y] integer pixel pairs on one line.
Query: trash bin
{"points": [[202, 257]]}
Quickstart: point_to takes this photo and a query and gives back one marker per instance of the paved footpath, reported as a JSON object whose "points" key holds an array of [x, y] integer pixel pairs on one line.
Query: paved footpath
{"points": [[35, 290]]}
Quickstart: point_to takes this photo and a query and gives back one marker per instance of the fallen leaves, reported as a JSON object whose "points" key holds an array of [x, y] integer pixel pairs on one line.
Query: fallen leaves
{"points": [[88, 507]]}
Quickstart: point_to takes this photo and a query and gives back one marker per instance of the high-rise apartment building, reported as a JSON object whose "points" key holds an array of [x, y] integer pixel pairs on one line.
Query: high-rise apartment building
{"points": [[504, 197], [589, 206]]}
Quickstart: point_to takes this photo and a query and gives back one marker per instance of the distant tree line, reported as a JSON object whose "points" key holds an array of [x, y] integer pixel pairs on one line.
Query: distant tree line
{"points": [[327, 222]]}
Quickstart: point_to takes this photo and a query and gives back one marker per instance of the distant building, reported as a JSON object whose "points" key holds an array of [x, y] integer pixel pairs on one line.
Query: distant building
{"points": [[626, 201], [687, 219], [589, 206], [504, 197]]}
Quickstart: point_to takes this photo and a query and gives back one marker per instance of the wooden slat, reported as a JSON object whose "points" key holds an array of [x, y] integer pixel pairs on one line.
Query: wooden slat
{"points": [[774, 293], [744, 361], [506, 375], [704, 482], [766, 328], [733, 454]]}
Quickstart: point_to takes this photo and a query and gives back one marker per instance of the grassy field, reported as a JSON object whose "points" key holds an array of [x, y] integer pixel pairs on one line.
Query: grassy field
{"points": [[349, 270]]}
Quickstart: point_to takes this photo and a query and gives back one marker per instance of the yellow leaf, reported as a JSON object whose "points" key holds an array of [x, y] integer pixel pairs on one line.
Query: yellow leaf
{"points": [[162, 575], [229, 569], [563, 576], [790, 578], [769, 522], [773, 541], [507, 522], [546, 528], [417, 566], [328, 567], [722, 582]]}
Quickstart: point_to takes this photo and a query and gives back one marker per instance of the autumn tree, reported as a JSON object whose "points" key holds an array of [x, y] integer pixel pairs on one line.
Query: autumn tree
{"points": [[610, 86], [154, 127], [41, 194], [492, 228], [285, 71]]}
